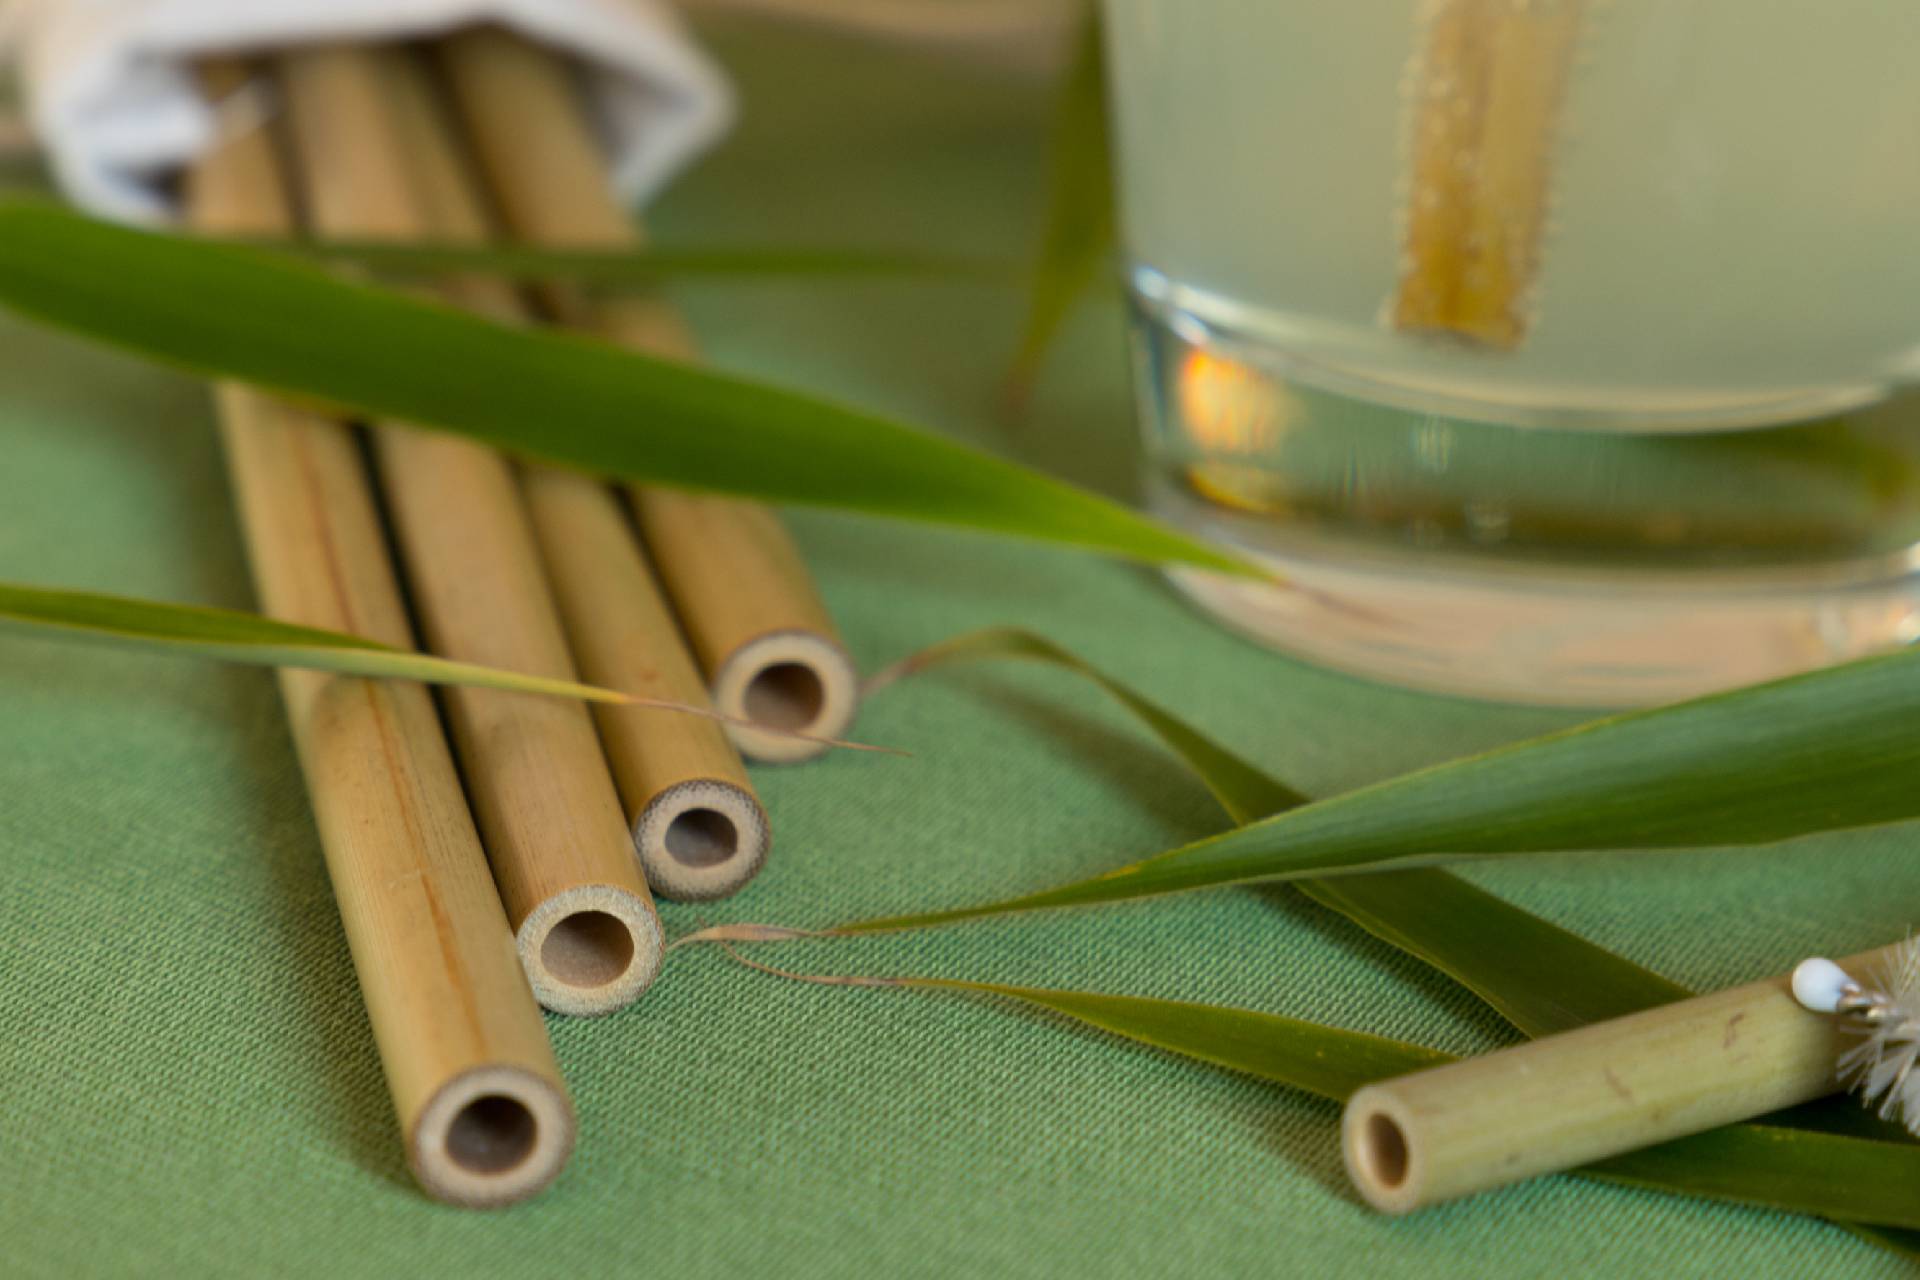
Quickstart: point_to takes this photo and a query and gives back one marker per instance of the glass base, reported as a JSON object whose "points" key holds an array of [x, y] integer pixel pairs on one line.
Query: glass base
{"points": [[1618, 564], [1548, 636]]}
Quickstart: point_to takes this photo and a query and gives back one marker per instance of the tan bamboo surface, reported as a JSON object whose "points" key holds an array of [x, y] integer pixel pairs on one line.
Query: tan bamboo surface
{"points": [[1486, 90], [1567, 1100], [484, 1115], [749, 606], [698, 827], [555, 830]]}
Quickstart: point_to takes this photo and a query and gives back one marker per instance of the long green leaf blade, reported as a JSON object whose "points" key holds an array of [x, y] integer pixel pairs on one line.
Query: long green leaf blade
{"points": [[1794, 1170], [269, 320], [1078, 236], [1537, 975], [1828, 750], [1329, 1062], [231, 636], [1855, 1181], [1245, 792], [1533, 973]]}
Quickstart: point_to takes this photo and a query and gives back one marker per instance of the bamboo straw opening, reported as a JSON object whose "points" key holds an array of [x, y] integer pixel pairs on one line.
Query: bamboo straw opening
{"points": [[701, 839], [591, 949], [786, 695], [492, 1136], [588, 949], [1382, 1150], [790, 682]]}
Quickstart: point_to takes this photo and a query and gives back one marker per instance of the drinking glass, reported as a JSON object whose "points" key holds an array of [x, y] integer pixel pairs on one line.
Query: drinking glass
{"points": [[1552, 350]]}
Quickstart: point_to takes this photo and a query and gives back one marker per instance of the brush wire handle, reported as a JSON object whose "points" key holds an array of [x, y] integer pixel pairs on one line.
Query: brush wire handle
{"points": [[1885, 1017], [1820, 984]]}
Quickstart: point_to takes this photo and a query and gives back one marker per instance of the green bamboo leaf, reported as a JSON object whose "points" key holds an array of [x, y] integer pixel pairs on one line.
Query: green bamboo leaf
{"points": [[1861, 1184], [286, 325], [1824, 751], [1077, 238], [616, 267], [1329, 1062], [1537, 975], [1801, 1172], [231, 636], [1244, 791]]}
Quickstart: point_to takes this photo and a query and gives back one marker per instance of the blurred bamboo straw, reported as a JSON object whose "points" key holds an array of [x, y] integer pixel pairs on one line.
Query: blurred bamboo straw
{"points": [[1567, 1100], [699, 829], [749, 606], [555, 831], [485, 1117], [1486, 90]]}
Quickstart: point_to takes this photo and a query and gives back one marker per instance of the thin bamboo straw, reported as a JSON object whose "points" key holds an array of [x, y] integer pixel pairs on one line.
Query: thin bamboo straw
{"points": [[1568, 1100], [555, 831], [699, 829], [750, 608], [1486, 90], [485, 1117]]}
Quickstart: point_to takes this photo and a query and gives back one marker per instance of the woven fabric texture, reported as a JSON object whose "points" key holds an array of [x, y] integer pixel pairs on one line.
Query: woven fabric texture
{"points": [[190, 1084]]}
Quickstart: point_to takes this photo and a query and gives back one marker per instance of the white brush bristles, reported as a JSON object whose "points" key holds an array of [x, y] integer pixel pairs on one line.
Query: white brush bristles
{"points": [[1881, 1066]]}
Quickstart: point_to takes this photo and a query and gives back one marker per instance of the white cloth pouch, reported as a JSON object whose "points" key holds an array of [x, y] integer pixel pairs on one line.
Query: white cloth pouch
{"points": [[111, 94]]}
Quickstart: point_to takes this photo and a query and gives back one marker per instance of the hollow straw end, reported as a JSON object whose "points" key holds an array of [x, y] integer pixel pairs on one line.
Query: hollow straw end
{"points": [[590, 949], [791, 682], [1383, 1159], [490, 1137], [701, 839]]}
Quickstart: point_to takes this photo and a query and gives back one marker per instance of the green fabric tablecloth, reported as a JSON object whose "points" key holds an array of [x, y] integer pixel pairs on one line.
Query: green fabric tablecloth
{"points": [[189, 1083]]}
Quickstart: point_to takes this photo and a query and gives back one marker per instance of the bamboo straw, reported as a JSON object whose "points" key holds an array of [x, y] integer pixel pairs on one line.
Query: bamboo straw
{"points": [[699, 829], [749, 607], [1486, 93], [555, 831], [1568, 1100], [484, 1115]]}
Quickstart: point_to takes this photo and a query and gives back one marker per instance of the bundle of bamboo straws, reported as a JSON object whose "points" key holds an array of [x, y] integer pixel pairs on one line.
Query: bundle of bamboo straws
{"points": [[515, 566]]}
